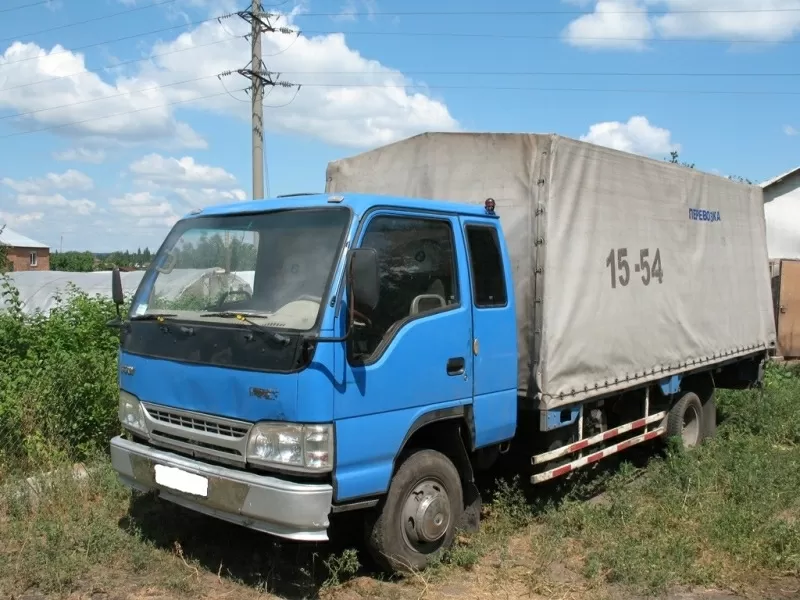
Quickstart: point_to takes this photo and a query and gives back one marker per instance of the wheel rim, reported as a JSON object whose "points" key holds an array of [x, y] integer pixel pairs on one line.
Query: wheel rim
{"points": [[426, 515], [690, 431]]}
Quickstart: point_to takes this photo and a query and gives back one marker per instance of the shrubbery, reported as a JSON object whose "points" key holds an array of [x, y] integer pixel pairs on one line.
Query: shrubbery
{"points": [[58, 378]]}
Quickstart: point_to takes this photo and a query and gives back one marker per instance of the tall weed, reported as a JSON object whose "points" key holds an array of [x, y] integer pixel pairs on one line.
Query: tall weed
{"points": [[58, 395]]}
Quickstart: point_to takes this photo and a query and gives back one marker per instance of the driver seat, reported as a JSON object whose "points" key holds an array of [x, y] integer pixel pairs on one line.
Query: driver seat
{"points": [[432, 299]]}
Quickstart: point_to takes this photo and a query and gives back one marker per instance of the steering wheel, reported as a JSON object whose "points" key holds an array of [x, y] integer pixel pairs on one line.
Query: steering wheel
{"points": [[224, 296], [318, 300], [362, 317]]}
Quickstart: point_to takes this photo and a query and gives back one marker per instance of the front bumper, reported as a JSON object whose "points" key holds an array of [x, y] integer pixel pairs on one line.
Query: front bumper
{"points": [[297, 511]]}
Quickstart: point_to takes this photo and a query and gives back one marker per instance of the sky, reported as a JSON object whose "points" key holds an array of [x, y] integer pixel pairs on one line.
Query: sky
{"points": [[117, 117]]}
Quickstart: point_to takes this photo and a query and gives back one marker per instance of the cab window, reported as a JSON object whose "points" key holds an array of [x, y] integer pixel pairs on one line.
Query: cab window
{"points": [[417, 272]]}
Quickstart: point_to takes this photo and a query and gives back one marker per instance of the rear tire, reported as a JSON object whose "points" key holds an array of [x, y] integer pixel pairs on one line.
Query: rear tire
{"points": [[685, 421], [416, 521]]}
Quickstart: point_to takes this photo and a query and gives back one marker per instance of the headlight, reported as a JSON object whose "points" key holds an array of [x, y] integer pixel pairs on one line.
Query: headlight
{"points": [[131, 413], [301, 446]]}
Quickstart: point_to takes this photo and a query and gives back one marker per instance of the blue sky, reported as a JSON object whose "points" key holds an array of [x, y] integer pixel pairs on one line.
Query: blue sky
{"points": [[178, 137]]}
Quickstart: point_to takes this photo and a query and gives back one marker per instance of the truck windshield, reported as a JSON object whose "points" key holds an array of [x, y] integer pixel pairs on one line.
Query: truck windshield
{"points": [[271, 268]]}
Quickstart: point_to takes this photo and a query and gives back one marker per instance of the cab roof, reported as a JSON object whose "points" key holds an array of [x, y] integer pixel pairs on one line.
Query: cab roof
{"points": [[359, 203]]}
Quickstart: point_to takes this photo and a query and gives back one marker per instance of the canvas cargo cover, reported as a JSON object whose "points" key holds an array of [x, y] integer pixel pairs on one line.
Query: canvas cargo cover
{"points": [[626, 269]]}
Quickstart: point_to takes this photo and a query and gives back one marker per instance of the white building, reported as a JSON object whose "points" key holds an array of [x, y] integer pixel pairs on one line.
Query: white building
{"points": [[782, 214]]}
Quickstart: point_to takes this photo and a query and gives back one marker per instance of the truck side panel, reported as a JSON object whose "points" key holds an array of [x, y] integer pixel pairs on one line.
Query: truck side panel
{"points": [[651, 269]]}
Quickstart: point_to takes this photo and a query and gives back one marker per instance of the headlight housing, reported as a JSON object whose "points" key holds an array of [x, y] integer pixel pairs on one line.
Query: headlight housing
{"points": [[300, 447], [131, 413]]}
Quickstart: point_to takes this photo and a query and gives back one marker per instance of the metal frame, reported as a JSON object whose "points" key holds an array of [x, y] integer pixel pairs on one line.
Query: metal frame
{"points": [[581, 444]]}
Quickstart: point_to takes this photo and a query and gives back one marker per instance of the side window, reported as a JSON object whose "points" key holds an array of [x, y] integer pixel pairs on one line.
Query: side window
{"points": [[486, 262], [417, 272]]}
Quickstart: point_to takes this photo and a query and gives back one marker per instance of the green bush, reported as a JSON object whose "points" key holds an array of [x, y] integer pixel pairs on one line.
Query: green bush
{"points": [[58, 380]]}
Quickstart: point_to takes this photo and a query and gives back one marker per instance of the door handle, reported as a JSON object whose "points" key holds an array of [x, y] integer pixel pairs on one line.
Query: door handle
{"points": [[455, 366]]}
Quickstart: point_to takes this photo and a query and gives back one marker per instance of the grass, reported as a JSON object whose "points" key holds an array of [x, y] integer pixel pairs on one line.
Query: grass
{"points": [[725, 515]]}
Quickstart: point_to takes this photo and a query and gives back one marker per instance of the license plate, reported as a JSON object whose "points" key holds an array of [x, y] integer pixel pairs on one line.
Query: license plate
{"points": [[181, 481]]}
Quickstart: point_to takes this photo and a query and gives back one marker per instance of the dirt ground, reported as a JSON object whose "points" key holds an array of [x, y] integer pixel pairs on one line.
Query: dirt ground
{"points": [[493, 577], [482, 583]]}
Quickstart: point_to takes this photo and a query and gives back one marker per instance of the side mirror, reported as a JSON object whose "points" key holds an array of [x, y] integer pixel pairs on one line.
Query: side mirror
{"points": [[116, 288], [363, 277], [363, 284]]}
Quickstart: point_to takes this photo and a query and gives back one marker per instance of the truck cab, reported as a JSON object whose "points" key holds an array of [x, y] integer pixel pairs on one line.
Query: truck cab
{"points": [[340, 352]]}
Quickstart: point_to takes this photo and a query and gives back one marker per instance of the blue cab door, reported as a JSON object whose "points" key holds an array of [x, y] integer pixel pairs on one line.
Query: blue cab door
{"points": [[494, 331], [412, 356]]}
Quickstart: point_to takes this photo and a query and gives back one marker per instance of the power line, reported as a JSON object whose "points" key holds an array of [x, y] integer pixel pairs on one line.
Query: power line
{"points": [[557, 73], [114, 40], [120, 64], [21, 6], [110, 96], [406, 86], [523, 36], [555, 89], [118, 114], [517, 13], [449, 87], [91, 20]]}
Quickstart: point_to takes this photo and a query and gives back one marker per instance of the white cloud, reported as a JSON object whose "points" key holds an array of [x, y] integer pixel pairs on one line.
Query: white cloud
{"points": [[81, 206], [174, 186], [373, 105], [790, 131], [637, 136], [68, 180], [688, 19], [80, 114], [17, 219], [772, 26], [622, 24], [368, 106], [195, 198], [159, 170], [148, 209], [81, 154]]}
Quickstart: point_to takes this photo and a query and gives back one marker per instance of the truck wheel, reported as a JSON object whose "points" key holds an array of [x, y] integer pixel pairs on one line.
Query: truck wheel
{"points": [[685, 420], [417, 520]]}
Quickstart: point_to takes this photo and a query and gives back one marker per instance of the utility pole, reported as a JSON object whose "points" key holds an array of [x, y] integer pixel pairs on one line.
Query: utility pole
{"points": [[257, 96], [260, 22]]}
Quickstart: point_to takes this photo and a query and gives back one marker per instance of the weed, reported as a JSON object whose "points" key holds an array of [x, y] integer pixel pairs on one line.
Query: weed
{"points": [[721, 512], [341, 567]]}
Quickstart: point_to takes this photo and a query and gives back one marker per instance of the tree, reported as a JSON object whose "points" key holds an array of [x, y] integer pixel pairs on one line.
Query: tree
{"points": [[73, 262], [674, 159]]}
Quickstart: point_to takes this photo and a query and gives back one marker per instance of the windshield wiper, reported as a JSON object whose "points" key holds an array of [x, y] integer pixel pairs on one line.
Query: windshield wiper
{"points": [[277, 337]]}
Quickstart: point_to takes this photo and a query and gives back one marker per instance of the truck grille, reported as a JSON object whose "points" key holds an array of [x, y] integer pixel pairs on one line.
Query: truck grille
{"points": [[205, 424], [197, 434]]}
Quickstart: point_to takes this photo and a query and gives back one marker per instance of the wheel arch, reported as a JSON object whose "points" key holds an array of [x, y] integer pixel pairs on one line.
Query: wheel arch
{"points": [[450, 431], [444, 430]]}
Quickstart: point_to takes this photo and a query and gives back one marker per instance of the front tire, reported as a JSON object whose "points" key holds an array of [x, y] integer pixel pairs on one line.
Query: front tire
{"points": [[417, 519]]}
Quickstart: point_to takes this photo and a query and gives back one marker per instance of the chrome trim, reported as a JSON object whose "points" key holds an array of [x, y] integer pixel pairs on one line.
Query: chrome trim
{"points": [[198, 434], [297, 511]]}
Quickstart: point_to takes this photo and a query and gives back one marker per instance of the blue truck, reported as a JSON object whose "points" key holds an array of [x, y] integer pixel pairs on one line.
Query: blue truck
{"points": [[374, 347]]}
